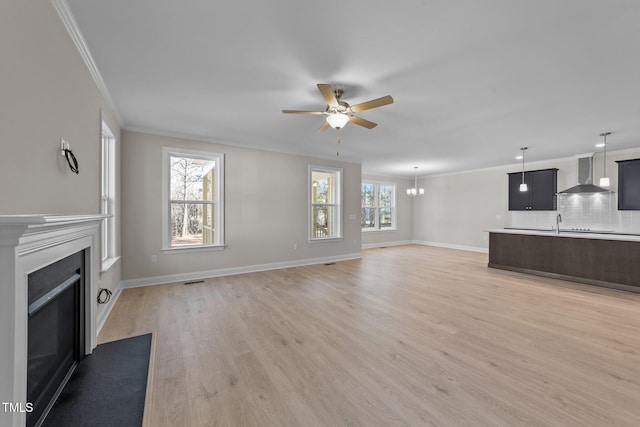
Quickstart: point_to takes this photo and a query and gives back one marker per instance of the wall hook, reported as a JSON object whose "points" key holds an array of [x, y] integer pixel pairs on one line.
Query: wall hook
{"points": [[68, 154]]}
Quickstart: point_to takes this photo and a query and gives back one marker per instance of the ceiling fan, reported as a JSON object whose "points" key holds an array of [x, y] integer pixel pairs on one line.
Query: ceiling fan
{"points": [[339, 113]]}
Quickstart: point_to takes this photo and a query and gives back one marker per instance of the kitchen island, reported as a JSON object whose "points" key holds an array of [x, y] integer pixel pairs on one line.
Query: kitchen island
{"points": [[605, 259]]}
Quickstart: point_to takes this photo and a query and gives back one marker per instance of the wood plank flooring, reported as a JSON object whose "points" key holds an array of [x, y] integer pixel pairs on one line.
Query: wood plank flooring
{"points": [[407, 336]]}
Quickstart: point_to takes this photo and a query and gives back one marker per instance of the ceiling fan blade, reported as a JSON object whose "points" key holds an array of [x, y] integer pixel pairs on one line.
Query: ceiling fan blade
{"points": [[362, 122], [302, 112], [385, 100], [323, 127], [328, 94]]}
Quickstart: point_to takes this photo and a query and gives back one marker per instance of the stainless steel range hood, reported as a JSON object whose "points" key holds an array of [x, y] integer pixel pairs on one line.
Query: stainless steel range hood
{"points": [[585, 178]]}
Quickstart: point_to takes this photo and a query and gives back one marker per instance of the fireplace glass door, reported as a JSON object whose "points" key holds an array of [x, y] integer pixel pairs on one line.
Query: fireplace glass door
{"points": [[55, 331]]}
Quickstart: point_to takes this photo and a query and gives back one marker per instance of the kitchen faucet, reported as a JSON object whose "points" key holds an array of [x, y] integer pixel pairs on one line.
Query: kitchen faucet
{"points": [[558, 221]]}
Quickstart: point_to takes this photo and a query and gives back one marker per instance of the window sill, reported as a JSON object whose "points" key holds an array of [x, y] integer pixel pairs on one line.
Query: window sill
{"points": [[186, 249], [325, 239], [108, 263], [375, 230]]}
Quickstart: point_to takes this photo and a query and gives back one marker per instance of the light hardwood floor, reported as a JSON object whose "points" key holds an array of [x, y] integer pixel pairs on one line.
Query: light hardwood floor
{"points": [[409, 335]]}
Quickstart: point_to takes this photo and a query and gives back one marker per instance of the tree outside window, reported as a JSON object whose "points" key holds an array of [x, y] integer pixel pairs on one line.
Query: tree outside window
{"points": [[325, 203], [194, 201], [378, 206]]}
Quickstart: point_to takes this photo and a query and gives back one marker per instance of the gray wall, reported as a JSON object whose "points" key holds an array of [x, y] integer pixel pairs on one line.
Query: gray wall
{"points": [[266, 210], [47, 93], [456, 208]]}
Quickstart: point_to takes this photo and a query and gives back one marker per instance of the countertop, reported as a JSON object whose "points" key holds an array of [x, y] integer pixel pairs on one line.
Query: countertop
{"points": [[602, 235]]}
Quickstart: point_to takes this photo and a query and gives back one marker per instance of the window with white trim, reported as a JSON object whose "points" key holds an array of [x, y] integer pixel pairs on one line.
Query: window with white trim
{"points": [[193, 199], [108, 196], [325, 210], [378, 206]]}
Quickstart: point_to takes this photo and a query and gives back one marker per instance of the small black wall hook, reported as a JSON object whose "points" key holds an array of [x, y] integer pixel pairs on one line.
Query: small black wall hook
{"points": [[71, 160]]}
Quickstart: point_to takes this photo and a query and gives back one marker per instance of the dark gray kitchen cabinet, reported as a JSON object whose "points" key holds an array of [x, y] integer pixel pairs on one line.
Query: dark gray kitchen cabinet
{"points": [[628, 185], [541, 192]]}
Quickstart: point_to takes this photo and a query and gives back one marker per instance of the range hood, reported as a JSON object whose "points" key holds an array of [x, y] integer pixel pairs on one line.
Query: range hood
{"points": [[585, 178]]}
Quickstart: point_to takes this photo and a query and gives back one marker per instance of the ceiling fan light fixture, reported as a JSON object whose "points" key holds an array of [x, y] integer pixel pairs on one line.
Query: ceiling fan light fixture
{"points": [[337, 120], [339, 112]]}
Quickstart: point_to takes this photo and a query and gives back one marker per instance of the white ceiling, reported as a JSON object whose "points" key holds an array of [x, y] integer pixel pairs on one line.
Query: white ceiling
{"points": [[473, 80]]}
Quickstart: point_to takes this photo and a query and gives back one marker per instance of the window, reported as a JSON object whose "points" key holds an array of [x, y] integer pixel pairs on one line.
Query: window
{"points": [[378, 206], [325, 210], [193, 195], [108, 196]]}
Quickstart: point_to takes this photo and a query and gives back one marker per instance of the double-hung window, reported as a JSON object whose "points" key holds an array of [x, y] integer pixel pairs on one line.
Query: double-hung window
{"points": [[108, 196], [193, 199], [378, 206], [325, 203]]}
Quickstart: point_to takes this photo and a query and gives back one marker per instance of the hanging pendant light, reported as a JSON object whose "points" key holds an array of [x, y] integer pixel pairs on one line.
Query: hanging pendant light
{"points": [[523, 186], [604, 181], [415, 190]]}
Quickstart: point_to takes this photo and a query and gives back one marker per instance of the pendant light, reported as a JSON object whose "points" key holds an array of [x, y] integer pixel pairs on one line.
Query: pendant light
{"points": [[604, 181], [523, 186], [415, 190]]}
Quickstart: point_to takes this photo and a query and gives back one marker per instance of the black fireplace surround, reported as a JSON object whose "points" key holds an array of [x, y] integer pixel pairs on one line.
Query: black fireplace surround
{"points": [[55, 330]]}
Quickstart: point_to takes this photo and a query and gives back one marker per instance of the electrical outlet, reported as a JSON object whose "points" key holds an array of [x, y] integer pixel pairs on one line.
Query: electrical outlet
{"points": [[154, 258]]}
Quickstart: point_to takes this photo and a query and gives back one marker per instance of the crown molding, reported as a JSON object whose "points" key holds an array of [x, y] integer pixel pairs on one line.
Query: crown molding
{"points": [[231, 143], [64, 11]]}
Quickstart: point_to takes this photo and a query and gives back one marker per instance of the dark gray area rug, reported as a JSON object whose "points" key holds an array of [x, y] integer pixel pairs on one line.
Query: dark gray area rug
{"points": [[107, 388]]}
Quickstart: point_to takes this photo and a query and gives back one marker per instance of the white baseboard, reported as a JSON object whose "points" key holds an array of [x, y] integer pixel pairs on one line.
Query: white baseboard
{"points": [[199, 275], [451, 246], [384, 244], [102, 318]]}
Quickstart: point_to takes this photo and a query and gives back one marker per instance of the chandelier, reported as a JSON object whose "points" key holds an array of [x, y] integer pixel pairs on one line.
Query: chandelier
{"points": [[415, 190]]}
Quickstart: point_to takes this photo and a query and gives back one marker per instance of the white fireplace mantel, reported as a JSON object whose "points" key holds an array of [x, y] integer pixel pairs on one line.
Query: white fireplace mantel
{"points": [[28, 243]]}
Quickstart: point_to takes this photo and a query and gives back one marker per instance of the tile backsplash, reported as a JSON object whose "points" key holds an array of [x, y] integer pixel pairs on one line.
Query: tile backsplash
{"points": [[598, 211]]}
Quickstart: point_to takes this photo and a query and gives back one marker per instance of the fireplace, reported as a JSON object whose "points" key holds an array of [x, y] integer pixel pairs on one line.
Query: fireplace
{"points": [[55, 337], [48, 281]]}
